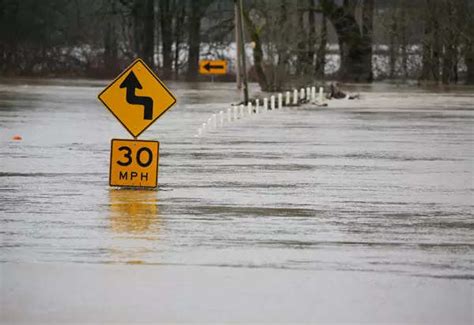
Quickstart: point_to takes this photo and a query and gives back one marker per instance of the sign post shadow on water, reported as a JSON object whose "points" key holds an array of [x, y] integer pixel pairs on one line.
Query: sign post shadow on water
{"points": [[137, 98]]}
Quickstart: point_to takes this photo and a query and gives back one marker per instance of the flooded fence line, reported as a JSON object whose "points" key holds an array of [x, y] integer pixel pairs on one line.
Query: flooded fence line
{"points": [[306, 95]]}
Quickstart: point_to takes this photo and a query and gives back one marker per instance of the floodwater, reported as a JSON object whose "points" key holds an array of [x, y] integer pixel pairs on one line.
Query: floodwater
{"points": [[360, 211]]}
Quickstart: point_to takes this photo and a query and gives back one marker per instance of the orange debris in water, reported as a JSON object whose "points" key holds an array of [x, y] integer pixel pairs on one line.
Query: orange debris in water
{"points": [[17, 137]]}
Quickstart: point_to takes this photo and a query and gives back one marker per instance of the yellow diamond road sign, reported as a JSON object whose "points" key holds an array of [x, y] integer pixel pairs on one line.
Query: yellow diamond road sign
{"points": [[137, 98]]}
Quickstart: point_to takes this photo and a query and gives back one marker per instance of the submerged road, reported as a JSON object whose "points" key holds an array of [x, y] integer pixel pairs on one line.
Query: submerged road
{"points": [[360, 211]]}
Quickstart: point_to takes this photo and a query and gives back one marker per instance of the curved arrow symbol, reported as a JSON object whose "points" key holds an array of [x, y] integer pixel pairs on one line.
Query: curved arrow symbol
{"points": [[131, 83]]}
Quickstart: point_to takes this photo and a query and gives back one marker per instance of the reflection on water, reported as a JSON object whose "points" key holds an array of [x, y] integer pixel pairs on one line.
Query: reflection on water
{"points": [[133, 211], [134, 216]]}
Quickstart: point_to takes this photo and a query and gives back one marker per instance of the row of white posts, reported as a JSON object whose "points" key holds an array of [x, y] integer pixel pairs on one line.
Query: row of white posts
{"points": [[238, 112]]}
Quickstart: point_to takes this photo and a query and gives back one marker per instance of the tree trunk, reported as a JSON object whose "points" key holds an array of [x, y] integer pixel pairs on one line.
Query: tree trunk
{"points": [[311, 36], [149, 34], [257, 52], [166, 37], [392, 45], [451, 36], [280, 71], [301, 40], [110, 50], [450, 45], [436, 53], [403, 39], [355, 49], [427, 44], [238, 68], [194, 40], [178, 33], [431, 43], [468, 9], [321, 55], [138, 12], [469, 59], [367, 36]]}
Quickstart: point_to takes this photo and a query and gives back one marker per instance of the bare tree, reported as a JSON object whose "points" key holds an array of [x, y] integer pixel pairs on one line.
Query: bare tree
{"points": [[355, 41], [321, 53]]}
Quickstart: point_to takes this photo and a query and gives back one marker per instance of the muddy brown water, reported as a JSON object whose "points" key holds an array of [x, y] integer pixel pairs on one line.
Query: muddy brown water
{"points": [[383, 185]]}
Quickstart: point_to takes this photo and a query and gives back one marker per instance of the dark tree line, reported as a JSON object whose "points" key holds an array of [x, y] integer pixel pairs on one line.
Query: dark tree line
{"points": [[448, 39], [98, 38], [288, 41]]}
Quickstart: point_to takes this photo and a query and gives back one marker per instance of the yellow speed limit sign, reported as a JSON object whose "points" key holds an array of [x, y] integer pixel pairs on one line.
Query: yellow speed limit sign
{"points": [[134, 163]]}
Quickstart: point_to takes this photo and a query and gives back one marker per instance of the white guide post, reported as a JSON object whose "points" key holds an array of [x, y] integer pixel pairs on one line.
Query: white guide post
{"points": [[221, 118], [236, 110], [214, 121]]}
